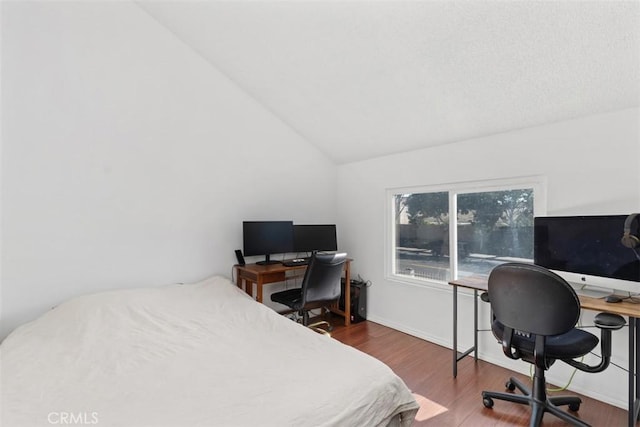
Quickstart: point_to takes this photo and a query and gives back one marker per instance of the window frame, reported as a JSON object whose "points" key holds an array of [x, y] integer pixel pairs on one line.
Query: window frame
{"points": [[536, 182]]}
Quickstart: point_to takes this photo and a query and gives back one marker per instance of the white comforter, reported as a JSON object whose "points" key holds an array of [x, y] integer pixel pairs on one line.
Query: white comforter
{"points": [[188, 355]]}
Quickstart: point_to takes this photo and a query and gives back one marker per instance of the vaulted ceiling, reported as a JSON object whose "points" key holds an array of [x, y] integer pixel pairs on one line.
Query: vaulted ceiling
{"points": [[361, 79]]}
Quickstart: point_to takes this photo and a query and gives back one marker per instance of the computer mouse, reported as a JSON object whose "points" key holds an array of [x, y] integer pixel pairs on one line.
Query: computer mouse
{"points": [[612, 298]]}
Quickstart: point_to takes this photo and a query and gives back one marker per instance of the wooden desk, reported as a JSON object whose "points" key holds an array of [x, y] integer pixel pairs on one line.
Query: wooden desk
{"points": [[631, 310], [261, 275]]}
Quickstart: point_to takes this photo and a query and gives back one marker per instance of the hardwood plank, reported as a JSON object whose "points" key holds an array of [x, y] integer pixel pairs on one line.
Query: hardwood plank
{"points": [[447, 402]]}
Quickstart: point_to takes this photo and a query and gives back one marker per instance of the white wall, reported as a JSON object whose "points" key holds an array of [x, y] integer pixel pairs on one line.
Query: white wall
{"points": [[128, 160], [592, 166]]}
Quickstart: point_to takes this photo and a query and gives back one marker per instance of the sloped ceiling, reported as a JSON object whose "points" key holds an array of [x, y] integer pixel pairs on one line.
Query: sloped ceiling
{"points": [[362, 79]]}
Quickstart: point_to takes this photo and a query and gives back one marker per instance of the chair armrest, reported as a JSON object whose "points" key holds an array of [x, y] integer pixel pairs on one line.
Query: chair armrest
{"points": [[609, 321], [606, 322]]}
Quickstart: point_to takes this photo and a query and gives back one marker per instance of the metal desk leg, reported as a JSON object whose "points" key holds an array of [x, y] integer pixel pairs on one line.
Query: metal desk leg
{"points": [[455, 331], [475, 325], [459, 356], [634, 370]]}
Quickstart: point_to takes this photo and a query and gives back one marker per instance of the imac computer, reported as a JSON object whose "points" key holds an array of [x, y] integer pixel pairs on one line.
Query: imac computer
{"points": [[587, 252], [267, 238], [313, 238]]}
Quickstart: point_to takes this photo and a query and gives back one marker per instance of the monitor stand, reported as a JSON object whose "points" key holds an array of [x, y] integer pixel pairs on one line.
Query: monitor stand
{"points": [[591, 291], [267, 261]]}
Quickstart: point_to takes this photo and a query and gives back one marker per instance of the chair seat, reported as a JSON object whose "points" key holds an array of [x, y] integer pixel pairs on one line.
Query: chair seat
{"points": [[291, 298], [573, 344]]}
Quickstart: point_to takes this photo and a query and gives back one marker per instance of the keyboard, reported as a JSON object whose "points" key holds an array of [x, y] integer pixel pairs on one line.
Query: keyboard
{"points": [[294, 262]]}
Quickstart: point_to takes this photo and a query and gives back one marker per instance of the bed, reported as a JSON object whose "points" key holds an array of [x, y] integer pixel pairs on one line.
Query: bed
{"points": [[202, 354]]}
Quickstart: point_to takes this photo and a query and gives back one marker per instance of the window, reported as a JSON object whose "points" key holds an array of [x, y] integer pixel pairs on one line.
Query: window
{"points": [[492, 223]]}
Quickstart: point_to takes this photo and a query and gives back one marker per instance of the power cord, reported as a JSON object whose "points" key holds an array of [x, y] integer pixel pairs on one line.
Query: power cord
{"points": [[366, 283], [557, 389], [631, 299], [573, 373]]}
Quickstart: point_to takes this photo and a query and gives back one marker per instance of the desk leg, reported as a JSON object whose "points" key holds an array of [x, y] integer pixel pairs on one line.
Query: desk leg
{"points": [[455, 331], [245, 284], [475, 325], [459, 356], [259, 290], [347, 293], [248, 287], [636, 372], [634, 368]]}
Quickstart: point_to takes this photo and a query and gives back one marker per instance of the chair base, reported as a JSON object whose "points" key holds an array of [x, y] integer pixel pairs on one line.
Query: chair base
{"points": [[538, 401], [317, 327]]}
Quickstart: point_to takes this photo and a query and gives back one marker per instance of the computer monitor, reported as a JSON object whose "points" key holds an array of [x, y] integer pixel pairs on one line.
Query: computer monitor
{"points": [[587, 250], [312, 238], [267, 238]]}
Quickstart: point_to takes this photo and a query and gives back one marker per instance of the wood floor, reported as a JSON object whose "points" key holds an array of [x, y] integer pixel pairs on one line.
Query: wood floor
{"points": [[447, 402]]}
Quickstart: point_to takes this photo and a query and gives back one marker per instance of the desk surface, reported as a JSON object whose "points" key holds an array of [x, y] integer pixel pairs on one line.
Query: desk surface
{"points": [[624, 308], [270, 268], [274, 268]]}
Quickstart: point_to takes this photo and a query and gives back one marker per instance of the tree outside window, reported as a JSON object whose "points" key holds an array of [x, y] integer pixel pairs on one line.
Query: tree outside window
{"points": [[491, 227]]}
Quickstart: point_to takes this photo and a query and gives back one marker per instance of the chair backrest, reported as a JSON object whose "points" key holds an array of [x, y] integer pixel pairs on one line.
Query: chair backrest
{"points": [[530, 298], [322, 278]]}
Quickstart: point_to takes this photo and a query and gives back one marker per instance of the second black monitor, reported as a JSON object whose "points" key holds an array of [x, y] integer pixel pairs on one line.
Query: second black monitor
{"points": [[309, 238]]}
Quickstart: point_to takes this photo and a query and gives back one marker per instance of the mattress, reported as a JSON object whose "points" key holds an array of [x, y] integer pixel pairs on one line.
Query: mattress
{"points": [[202, 354]]}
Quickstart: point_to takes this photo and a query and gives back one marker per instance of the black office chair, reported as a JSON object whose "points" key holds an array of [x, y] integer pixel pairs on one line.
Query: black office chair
{"points": [[320, 287], [534, 316]]}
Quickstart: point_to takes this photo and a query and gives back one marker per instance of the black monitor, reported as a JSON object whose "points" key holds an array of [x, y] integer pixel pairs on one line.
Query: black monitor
{"points": [[312, 238], [267, 238], [587, 250]]}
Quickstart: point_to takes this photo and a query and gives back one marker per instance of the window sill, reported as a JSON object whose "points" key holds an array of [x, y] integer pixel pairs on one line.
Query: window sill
{"points": [[422, 283]]}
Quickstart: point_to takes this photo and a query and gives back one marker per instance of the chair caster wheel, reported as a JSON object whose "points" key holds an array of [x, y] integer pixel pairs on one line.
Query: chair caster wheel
{"points": [[487, 402], [574, 407], [509, 385]]}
